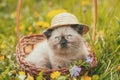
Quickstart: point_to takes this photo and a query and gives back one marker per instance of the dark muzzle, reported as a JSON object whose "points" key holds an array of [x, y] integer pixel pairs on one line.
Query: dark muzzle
{"points": [[63, 42]]}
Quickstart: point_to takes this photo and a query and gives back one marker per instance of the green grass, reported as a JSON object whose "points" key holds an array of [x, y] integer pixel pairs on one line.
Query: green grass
{"points": [[106, 46]]}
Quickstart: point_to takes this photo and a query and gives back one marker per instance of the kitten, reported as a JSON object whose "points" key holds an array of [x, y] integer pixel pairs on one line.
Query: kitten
{"points": [[63, 45]]}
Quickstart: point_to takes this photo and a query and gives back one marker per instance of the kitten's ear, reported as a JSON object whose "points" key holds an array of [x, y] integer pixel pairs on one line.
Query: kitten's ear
{"points": [[78, 28], [48, 33], [81, 29]]}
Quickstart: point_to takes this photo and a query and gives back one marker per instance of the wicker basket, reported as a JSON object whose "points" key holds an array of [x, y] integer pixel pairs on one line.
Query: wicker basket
{"points": [[26, 45]]}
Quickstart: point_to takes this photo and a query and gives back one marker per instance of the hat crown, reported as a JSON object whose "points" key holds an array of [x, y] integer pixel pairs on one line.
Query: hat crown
{"points": [[64, 19]]}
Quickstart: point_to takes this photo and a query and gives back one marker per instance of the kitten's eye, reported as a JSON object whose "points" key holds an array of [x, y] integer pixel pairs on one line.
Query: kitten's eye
{"points": [[56, 38], [69, 36]]}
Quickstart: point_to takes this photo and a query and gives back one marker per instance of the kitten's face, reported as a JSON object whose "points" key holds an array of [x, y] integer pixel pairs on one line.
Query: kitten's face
{"points": [[65, 39]]}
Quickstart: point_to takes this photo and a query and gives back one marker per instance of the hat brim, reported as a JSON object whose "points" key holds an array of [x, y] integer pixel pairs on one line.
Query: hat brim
{"points": [[85, 27]]}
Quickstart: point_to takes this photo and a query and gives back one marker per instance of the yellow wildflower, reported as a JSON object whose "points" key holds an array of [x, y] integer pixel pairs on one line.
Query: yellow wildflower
{"points": [[3, 45], [55, 74], [14, 71], [30, 28], [29, 77], [21, 73], [22, 27], [87, 77], [118, 68], [51, 14], [42, 24], [85, 2], [3, 57]]}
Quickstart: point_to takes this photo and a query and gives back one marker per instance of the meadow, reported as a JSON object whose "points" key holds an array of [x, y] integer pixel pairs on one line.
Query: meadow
{"points": [[36, 16]]}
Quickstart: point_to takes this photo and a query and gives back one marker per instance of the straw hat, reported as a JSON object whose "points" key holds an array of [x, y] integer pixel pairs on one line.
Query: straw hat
{"points": [[66, 19]]}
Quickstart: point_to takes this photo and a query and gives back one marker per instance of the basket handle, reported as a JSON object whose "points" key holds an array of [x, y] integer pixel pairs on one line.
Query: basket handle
{"points": [[95, 20], [18, 20]]}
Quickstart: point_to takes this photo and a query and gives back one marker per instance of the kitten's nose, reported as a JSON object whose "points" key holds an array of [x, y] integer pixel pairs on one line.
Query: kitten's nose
{"points": [[63, 42]]}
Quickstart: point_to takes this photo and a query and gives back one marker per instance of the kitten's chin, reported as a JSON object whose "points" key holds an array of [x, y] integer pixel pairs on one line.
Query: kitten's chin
{"points": [[61, 51], [62, 48]]}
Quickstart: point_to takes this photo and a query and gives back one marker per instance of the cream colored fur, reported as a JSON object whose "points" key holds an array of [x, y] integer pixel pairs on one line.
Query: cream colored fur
{"points": [[49, 52]]}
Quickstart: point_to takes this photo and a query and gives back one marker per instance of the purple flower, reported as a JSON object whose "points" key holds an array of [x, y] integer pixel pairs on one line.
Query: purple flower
{"points": [[89, 59], [75, 70]]}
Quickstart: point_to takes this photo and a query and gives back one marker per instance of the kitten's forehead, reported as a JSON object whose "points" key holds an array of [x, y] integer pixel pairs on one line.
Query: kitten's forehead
{"points": [[64, 30]]}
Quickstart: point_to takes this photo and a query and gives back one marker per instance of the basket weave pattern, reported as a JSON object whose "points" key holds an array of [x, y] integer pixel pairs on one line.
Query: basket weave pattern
{"points": [[31, 40]]}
